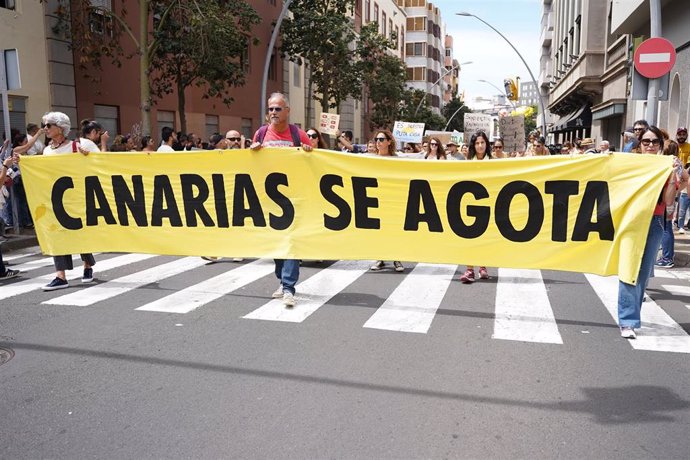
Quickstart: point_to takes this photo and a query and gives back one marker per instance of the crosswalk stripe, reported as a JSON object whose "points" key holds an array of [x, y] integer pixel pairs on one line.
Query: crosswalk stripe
{"points": [[13, 289], [313, 293], [411, 307], [36, 251], [677, 290], [38, 263], [659, 331], [95, 294], [523, 309], [195, 296]]}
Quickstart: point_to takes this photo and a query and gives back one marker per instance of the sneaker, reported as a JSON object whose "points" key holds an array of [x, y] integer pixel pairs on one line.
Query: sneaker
{"points": [[88, 275], [210, 259], [483, 274], [628, 333], [378, 265], [289, 299], [57, 283], [681, 230], [237, 259], [278, 293], [664, 263], [398, 266], [9, 274], [468, 277]]}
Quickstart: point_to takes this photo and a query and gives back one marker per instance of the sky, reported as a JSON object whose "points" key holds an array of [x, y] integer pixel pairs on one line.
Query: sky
{"points": [[492, 57]]}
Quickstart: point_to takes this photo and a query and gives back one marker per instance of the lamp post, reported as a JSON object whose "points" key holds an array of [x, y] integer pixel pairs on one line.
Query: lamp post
{"points": [[453, 116], [458, 66], [534, 80], [500, 91], [269, 53]]}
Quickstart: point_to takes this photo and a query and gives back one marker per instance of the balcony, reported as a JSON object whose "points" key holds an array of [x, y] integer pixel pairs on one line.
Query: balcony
{"points": [[546, 35]]}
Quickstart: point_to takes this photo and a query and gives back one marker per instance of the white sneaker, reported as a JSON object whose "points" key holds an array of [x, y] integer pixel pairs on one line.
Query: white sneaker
{"points": [[398, 266], [681, 230], [210, 259], [278, 294], [237, 259], [378, 265], [628, 333], [288, 299]]}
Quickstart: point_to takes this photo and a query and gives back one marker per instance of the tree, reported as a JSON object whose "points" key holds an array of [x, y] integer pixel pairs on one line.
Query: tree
{"points": [[458, 121], [201, 44], [96, 34], [530, 112], [424, 114]]}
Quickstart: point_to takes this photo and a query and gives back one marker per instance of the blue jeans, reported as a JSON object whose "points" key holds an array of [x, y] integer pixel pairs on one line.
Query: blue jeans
{"points": [[630, 296], [287, 271], [668, 240], [683, 206]]}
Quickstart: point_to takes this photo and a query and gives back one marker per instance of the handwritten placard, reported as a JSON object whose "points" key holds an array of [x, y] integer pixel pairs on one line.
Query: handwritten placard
{"points": [[329, 122], [512, 130], [477, 122], [408, 132]]}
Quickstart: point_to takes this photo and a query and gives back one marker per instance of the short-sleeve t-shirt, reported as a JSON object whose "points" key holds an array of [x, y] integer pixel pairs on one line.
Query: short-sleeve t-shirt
{"points": [[88, 145], [281, 139], [65, 147]]}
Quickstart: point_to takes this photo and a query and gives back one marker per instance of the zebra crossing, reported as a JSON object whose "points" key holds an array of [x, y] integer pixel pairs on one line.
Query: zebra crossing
{"points": [[522, 308]]}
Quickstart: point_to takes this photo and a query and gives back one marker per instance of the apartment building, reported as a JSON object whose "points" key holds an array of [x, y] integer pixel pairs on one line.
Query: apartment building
{"points": [[21, 29], [425, 53], [528, 94]]}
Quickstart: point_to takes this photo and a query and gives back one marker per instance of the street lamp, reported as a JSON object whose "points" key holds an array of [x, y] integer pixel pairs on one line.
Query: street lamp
{"points": [[269, 53], [534, 80], [502, 92], [453, 116], [457, 66]]}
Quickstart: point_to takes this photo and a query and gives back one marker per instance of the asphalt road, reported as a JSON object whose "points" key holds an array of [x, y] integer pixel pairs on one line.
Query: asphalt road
{"points": [[108, 381]]}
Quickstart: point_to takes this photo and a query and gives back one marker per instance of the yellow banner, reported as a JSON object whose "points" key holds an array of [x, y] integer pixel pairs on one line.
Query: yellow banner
{"points": [[586, 213]]}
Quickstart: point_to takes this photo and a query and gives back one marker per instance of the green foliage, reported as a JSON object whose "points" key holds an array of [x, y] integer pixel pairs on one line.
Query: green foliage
{"points": [[531, 120], [413, 111], [458, 121]]}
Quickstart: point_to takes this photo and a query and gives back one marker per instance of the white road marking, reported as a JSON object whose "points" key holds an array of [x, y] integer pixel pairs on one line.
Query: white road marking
{"points": [[38, 263], [95, 294], [650, 58], [411, 307], [659, 332], [35, 252], [13, 289], [313, 292], [523, 309], [193, 297]]}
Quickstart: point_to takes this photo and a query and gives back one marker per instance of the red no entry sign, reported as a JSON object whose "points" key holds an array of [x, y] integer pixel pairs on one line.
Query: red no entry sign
{"points": [[655, 57]]}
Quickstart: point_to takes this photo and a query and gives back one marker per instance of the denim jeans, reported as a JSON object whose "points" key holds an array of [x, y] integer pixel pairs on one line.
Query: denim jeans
{"points": [[287, 271], [668, 240], [630, 296], [683, 206]]}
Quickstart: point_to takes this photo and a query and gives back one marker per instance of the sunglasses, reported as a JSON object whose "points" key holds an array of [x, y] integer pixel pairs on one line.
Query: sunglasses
{"points": [[647, 142], [496, 147], [381, 139], [433, 144], [48, 125], [275, 109], [234, 139], [638, 129], [313, 136]]}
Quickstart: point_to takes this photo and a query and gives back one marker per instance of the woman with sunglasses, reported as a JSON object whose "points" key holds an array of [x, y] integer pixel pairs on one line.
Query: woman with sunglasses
{"points": [[630, 297], [478, 150], [316, 139], [385, 147], [58, 126], [436, 150], [497, 148]]}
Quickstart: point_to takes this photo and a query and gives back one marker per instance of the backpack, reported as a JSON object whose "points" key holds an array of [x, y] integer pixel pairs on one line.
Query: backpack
{"points": [[294, 131]]}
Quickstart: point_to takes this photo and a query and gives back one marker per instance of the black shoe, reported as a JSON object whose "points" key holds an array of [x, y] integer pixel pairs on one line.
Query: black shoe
{"points": [[9, 274], [57, 283], [88, 275]]}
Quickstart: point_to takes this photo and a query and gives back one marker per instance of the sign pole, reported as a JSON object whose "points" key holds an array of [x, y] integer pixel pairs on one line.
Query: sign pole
{"points": [[653, 89], [5, 99]]}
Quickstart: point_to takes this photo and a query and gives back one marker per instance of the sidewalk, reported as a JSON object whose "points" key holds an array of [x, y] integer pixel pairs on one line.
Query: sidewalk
{"points": [[28, 238]]}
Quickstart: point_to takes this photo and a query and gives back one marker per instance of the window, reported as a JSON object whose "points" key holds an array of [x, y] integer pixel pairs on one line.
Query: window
{"points": [[272, 68], [415, 49], [390, 28], [416, 23], [413, 3], [416, 73], [396, 38], [244, 57], [8, 4], [211, 125], [367, 11], [165, 118], [383, 24], [376, 12], [296, 75], [247, 128], [99, 21], [109, 118]]}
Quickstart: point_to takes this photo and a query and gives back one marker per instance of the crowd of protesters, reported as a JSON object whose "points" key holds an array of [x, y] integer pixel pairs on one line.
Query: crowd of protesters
{"points": [[52, 137]]}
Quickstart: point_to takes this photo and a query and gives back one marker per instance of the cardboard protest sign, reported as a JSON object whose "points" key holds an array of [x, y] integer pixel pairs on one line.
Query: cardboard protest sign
{"points": [[329, 122], [408, 132], [477, 122], [512, 129]]}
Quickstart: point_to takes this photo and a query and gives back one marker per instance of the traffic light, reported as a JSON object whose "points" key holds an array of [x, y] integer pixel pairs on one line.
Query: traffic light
{"points": [[511, 89]]}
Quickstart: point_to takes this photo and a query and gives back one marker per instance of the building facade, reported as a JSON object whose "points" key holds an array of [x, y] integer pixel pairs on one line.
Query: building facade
{"points": [[528, 93], [425, 54], [452, 72], [22, 28]]}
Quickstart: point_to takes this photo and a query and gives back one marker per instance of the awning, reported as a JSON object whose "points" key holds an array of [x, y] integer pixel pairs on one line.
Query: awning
{"points": [[610, 111], [580, 118]]}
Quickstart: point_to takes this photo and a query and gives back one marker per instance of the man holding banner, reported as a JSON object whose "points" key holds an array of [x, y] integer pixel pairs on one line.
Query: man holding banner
{"points": [[280, 133]]}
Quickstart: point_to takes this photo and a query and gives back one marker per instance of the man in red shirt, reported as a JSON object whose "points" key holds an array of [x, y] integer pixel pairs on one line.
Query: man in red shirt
{"points": [[280, 133]]}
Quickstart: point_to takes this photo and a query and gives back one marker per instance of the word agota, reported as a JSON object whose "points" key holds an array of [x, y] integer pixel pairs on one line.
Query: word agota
{"points": [[129, 198], [422, 207]]}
